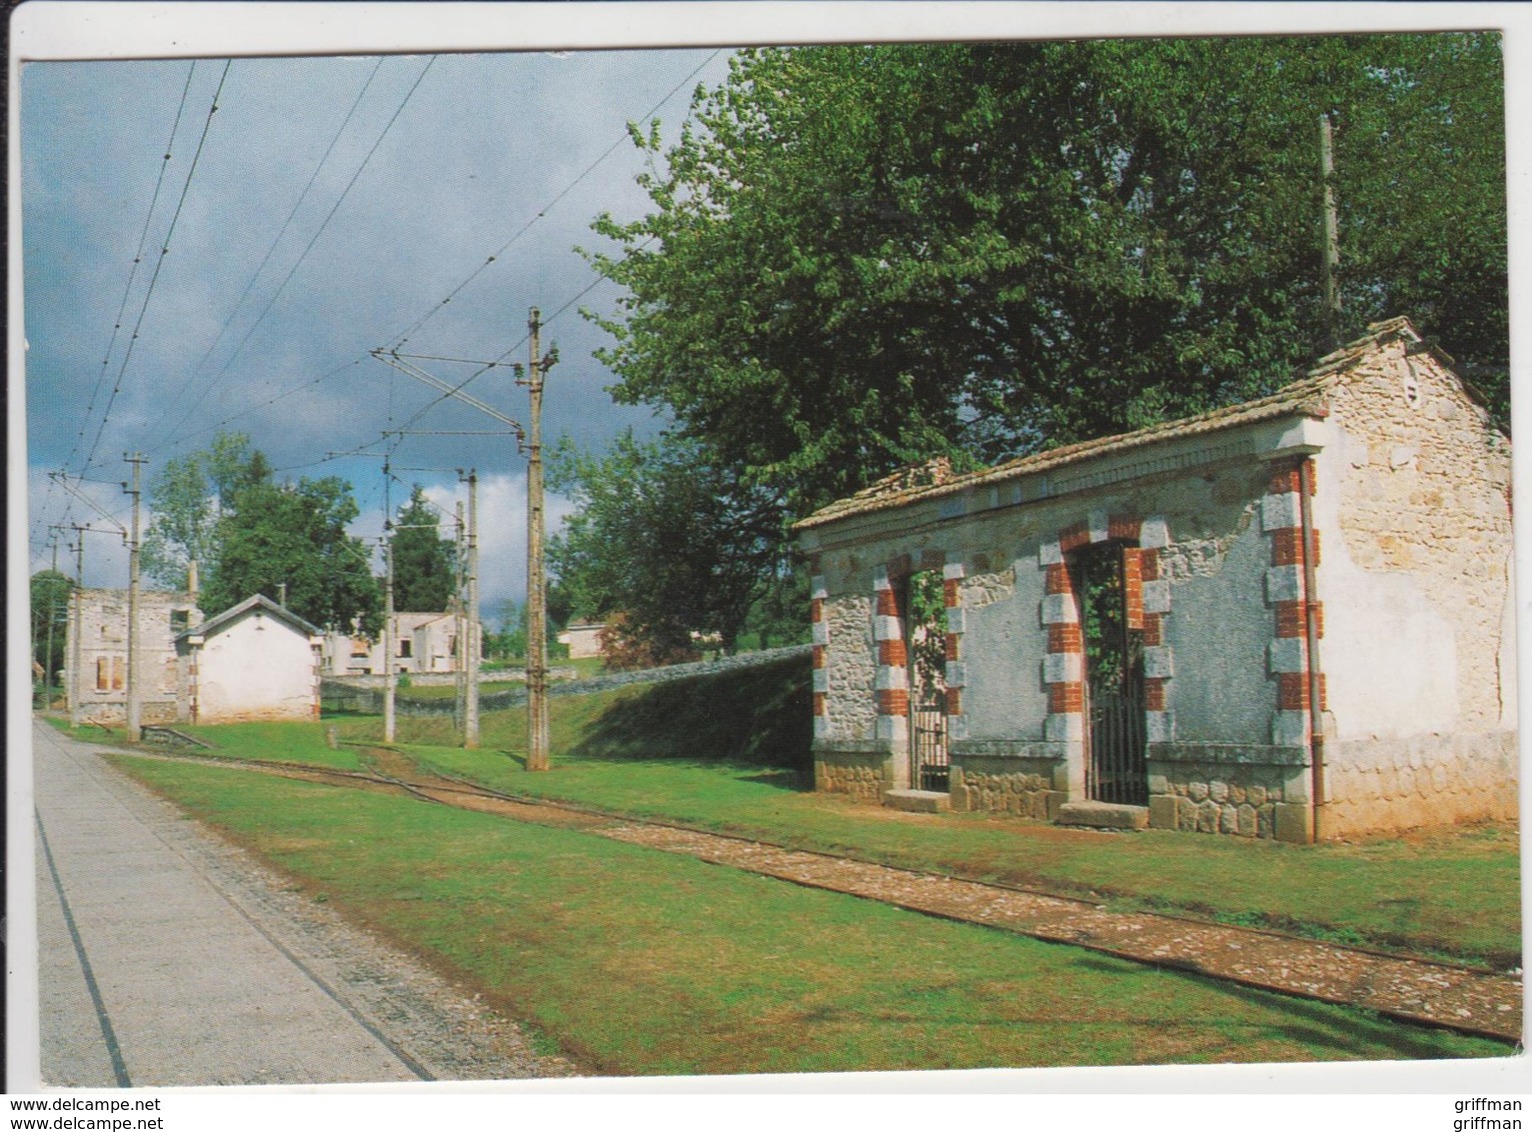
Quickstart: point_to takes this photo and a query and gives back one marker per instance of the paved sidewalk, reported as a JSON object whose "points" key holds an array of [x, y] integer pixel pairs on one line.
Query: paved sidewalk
{"points": [[150, 973]]}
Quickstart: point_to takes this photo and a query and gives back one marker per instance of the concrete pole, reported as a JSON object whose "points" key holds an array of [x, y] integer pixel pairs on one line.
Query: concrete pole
{"points": [[135, 687], [537, 625], [389, 729], [52, 617], [471, 619]]}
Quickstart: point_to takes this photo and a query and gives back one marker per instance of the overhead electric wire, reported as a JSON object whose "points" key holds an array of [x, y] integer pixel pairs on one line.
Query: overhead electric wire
{"points": [[245, 412], [159, 264], [178, 438], [310, 247], [181, 438], [485, 367], [430, 314], [138, 255], [286, 224]]}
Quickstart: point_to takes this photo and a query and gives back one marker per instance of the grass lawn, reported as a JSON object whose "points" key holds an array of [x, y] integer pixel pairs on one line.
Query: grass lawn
{"points": [[1454, 893], [643, 962]]}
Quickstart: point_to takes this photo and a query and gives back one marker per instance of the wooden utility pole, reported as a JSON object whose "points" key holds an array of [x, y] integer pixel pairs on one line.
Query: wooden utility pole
{"points": [[1330, 269], [135, 687], [77, 626], [459, 622], [471, 691], [388, 634], [537, 597]]}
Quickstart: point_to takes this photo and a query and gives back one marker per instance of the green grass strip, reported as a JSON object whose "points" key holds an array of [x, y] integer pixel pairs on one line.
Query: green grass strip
{"points": [[643, 962]]}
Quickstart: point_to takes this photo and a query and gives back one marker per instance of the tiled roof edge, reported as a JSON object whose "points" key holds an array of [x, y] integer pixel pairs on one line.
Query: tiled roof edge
{"points": [[1305, 396]]}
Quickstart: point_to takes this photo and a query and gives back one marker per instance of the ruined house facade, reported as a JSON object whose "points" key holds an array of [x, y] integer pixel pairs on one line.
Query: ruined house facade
{"points": [[96, 654], [424, 643], [1133, 630]]}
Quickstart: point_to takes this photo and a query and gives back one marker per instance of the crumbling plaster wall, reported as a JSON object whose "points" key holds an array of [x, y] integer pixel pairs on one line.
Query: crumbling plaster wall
{"points": [[1415, 578], [256, 669]]}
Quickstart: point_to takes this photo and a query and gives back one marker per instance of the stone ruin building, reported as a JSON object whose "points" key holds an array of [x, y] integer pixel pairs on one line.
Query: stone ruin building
{"points": [[1132, 631]]}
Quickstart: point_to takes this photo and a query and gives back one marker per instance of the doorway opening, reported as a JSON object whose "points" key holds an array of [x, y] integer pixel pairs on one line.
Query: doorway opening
{"points": [[926, 634], [1107, 580]]}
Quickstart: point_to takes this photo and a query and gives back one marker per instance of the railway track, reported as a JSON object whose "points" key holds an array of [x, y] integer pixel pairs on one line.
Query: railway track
{"points": [[1420, 991]]}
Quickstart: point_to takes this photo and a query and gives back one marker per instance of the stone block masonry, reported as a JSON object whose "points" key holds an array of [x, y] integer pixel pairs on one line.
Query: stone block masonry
{"points": [[1299, 653]]}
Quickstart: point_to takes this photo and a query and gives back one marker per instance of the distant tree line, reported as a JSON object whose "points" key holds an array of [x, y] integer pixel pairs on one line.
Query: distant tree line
{"points": [[223, 508]]}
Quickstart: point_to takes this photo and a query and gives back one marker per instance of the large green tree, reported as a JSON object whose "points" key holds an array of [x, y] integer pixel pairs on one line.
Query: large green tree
{"points": [[273, 535], [186, 499], [667, 540], [862, 256], [425, 564]]}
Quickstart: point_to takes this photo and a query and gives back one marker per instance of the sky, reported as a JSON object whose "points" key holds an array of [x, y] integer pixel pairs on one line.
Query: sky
{"points": [[326, 208], [333, 201]]}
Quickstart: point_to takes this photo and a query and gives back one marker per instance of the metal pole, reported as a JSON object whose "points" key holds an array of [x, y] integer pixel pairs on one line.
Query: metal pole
{"points": [[135, 688], [471, 619], [537, 644]]}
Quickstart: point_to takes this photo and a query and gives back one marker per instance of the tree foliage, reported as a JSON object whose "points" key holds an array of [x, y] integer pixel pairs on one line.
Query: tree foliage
{"points": [[51, 593], [186, 499], [249, 534], [668, 540], [425, 564], [862, 256], [272, 535]]}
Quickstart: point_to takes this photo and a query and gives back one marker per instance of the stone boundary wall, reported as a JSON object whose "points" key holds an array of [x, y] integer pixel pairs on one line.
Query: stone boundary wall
{"points": [[352, 695]]}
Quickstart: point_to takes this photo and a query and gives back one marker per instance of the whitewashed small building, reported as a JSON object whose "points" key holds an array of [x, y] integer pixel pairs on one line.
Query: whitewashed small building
{"points": [[96, 653], [254, 661], [583, 639], [1132, 630]]}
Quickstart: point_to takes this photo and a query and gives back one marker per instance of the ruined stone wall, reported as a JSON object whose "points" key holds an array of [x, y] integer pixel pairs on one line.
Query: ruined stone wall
{"points": [[1424, 495], [1015, 734], [97, 654], [1241, 792], [1021, 786], [1419, 651], [1420, 781]]}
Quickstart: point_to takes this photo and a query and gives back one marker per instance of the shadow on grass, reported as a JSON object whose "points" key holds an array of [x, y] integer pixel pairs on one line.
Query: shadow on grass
{"points": [[758, 717], [1316, 1024]]}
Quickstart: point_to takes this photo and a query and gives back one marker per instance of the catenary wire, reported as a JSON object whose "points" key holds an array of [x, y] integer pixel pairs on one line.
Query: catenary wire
{"points": [[159, 264], [541, 212], [122, 307], [286, 224], [301, 258]]}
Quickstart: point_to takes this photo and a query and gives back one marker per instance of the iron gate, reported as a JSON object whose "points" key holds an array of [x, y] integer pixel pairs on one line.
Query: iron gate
{"points": [[1118, 772], [928, 722]]}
